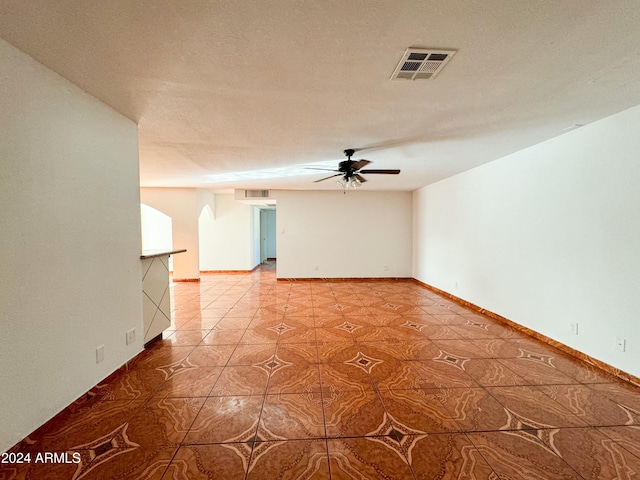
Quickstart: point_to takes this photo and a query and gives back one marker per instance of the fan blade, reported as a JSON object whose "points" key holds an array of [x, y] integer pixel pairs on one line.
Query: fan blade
{"points": [[360, 177], [324, 169], [388, 172], [360, 163], [327, 178]]}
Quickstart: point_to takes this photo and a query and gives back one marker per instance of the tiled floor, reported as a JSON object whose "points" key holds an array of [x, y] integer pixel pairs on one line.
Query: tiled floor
{"points": [[345, 380]]}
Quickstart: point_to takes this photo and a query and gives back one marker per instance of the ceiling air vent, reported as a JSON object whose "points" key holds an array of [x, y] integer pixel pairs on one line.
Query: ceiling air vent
{"points": [[421, 64], [256, 194]]}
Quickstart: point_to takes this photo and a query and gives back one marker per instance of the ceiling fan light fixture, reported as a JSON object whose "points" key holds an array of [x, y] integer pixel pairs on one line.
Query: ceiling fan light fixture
{"points": [[346, 183]]}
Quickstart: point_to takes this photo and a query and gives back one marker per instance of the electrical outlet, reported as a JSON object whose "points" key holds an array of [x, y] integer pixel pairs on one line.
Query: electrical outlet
{"points": [[574, 328], [621, 344], [385, 268], [100, 354], [316, 268], [131, 336]]}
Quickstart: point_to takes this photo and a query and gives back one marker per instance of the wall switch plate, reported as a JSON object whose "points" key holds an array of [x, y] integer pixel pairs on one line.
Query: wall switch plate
{"points": [[131, 336], [574, 328], [621, 344], [100, 354]]}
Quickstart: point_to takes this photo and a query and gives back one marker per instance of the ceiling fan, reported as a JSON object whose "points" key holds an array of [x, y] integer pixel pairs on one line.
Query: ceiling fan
{"points": [[351, 171]]}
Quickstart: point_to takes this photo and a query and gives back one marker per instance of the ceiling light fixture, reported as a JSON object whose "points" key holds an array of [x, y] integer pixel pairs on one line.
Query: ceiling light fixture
{"points": [[345, 183]]}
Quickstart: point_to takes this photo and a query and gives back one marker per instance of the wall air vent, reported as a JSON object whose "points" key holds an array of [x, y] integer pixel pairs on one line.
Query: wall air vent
{"points": [[421, 64], [256, 194]]}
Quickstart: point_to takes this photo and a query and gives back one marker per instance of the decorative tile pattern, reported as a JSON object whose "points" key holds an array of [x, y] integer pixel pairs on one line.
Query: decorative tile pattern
{"points": [[363, 362], [260, 378]]}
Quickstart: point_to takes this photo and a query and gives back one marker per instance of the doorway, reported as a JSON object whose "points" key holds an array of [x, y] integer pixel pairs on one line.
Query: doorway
{"points": [[267, 234]]}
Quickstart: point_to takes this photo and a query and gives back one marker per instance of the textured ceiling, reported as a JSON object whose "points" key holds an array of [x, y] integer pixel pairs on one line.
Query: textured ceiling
{"points": [[225, 87]]}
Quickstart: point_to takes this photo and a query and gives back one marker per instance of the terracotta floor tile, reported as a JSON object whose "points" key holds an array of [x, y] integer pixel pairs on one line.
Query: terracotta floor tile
{"points": [[368, 458], [522, 454], [444, 372], [186, 380], [446, 456], [289, 460], [439, 332], [333, 334], [205, 462], [293, 415], [134, 384], [124, 463], [528, 407], [259, 336], [417, 414], [217, 336], [537, 369], [396, 376], [474, 409], [296, 334], [459, 348], [298, 352], [294, 378], [220, 421], [342, 377], [488, 372], [260, 378], [336, 352], [367, 333], [211, 355], [528, 344], [163, 421], [235, 322], [590, 405], [73, 428], [594, 455], [241, 380], [204, 323], [627, 437], [368, 320], [582, 372], [252, 354], [353, 413], [496, 348], [161, 357], [183, 338], [626, 395]]}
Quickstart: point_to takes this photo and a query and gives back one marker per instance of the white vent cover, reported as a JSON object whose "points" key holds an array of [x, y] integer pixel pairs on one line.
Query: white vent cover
{"points": [[256, 194], [421, 64]]}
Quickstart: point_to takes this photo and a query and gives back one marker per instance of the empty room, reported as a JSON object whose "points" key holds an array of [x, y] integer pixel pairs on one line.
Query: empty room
{"points": [[319, 240]]}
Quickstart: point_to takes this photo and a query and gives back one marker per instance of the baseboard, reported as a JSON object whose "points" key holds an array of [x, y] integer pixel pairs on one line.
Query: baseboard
{"points": [[616, 372], [340, 280], [185, 279]]}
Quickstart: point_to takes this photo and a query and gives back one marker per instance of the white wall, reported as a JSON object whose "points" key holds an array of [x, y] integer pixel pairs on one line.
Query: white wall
{"points": [[206, 221], [70, 230], [156, 229], [324, 234], [545, 237], [231, 238], [181, 204]]}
